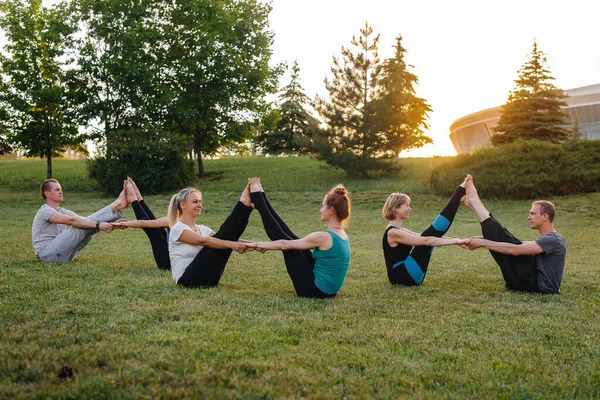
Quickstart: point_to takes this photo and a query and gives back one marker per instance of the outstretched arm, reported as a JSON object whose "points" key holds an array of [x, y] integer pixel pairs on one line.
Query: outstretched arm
{"points": [[79, 222], [190, 237], [524, 249], [143, 223], [410, 239], [321, 240]]}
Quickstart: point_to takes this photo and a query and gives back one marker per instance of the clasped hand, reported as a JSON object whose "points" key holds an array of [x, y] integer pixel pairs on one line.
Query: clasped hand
{"points": [[471, 243], [245, 246]]}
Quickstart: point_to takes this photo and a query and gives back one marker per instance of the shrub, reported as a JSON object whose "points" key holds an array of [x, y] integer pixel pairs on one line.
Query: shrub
{"points": [[155, 160], [525, 170]]}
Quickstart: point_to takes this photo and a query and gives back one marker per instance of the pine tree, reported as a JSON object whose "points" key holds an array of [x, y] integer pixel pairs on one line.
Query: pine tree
{"points": [[295, 125], [350, 115], [401, 113], [533, 110], [372, 113]]}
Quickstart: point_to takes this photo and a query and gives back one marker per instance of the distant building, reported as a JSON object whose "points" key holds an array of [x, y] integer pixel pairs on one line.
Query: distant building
{"points": [[475, 130], [69, 154]]}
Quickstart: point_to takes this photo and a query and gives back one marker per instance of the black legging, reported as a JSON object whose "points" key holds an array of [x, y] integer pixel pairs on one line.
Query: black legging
{"points": [[519, 272], [407, 265], [157, 236], [207, 267], [299, 263]]}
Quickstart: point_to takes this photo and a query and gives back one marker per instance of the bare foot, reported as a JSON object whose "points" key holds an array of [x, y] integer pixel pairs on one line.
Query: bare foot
{"points": [[467, 179], [135, 189], [121, 202], [245, 197], [130, 191], [472, 197], [255, 185], [260, 185], [464, 184]]}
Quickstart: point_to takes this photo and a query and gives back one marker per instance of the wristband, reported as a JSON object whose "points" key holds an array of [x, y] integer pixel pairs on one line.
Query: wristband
{"points": [[97, 226]]}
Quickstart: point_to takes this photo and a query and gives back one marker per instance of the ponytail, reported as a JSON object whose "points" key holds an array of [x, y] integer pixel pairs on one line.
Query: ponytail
{"points": [[175, 210]]}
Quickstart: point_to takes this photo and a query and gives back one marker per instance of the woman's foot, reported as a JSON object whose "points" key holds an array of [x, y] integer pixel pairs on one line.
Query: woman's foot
{"points": [[138, 195], [245, 197], [464, 184], [255, 185], [471, 197]]}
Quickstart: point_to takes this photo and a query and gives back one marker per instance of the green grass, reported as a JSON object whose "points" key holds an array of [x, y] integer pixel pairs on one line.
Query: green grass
{"points": [[130, 332]]}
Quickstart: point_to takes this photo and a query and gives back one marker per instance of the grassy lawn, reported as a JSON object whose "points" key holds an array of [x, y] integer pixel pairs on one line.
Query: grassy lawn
{"points": [[129, 331]]}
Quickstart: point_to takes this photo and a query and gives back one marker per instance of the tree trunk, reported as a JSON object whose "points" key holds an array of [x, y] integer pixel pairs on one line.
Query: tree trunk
{"points": [[201, 173], [48, 150], [49, 165]]}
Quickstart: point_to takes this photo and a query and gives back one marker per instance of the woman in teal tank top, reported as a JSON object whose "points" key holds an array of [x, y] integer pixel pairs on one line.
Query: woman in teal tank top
{"points": [[319, 273]]}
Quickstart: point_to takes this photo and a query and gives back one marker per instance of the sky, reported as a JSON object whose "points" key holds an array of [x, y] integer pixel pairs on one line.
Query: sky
{"points": [[465, 53]]}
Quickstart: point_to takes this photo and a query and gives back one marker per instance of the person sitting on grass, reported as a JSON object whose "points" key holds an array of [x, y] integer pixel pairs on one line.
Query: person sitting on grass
{"points": [[406, 253], [52, 241], [199, 255], [319, 273], [155, 228], [535, 266]]}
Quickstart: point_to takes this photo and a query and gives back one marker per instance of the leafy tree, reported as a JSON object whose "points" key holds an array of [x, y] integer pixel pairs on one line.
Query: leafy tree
{"points": [[372, 112], [533, 110], [36, 95], [116, 65], [4, 146], [295, 124], [155, 159], [217, 70]]}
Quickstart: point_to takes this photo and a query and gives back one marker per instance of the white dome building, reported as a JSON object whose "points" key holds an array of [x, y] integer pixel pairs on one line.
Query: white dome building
{"points": [[475, 130]]}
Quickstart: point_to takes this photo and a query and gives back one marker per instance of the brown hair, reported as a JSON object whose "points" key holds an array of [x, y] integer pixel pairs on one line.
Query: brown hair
{"points": [[46, 186], [338, 199], [393, 201], [175, 204], [546, 207]]}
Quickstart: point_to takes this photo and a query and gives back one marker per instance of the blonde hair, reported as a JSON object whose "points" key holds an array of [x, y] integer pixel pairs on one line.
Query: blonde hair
{"points": [[393, 201], [546, 207], [339, 200], [175, 205]]}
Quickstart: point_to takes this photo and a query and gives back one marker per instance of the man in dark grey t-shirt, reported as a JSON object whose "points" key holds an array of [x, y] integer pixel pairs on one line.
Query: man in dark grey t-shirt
{"points": [[51, 239], [535, 266]]}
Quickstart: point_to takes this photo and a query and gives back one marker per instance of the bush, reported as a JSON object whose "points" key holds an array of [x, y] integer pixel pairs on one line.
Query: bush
{"points": [[525, 170], [155, 160]]}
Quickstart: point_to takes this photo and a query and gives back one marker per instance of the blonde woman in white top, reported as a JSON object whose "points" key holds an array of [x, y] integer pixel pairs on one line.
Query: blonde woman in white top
{"points": [[198, 254]]}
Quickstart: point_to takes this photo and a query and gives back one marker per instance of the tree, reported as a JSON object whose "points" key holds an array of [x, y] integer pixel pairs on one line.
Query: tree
{"points": [[402, 115], [216, 70], [372, 113], [295, 125], [117, 67], [36, 95], [533, 109], [350, 113]]}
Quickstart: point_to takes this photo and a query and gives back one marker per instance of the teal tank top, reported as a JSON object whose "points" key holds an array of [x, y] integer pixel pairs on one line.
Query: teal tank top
{"points": [[331, 265]]}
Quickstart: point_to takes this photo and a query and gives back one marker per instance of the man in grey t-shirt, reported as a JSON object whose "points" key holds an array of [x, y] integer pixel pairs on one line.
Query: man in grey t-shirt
{"points": [[535, 266], [52, 241]]}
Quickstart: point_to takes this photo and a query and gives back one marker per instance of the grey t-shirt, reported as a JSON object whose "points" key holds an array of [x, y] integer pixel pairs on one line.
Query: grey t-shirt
{"points": [[43, 231], [551, 263]]}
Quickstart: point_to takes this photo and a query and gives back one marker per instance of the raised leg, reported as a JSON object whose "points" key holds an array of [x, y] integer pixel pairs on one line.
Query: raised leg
{"points": [[66, 245], [208, 266]]}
